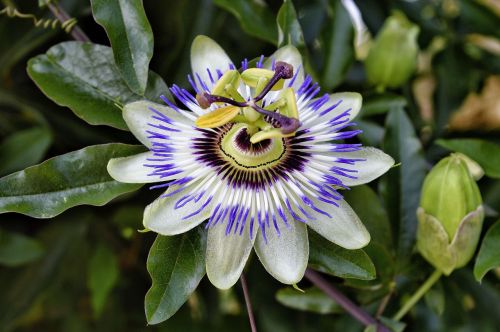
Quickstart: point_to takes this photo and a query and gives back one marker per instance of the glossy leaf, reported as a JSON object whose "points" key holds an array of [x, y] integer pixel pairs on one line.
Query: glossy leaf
{"points": [[83, 77], [176, 265], [24, 148], [254, 16], [131, 38], [327, 257], [486, 154], [289, 30], [102, 276], [488, 257], [65, 181], [312, 299], [17, 249], [402, 185], [339, 53]]}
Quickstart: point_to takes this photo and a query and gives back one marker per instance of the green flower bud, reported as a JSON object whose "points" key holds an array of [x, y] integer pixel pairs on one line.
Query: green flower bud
{"points": [[450, 215], [393, 57]]}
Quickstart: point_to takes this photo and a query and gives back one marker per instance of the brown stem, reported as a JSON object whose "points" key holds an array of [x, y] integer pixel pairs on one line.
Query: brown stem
{"points": [[62, 16], [349, 306], [248, 303]]}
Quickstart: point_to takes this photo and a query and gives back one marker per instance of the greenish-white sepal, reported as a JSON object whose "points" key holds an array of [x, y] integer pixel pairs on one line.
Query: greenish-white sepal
{"points": [[290, 55], [131, 169], [297, 288], [466, 238], [138, 115], [226, 255], [376, 163], [344, 228], [207, 54], [474, 168], [344, 101], [433, 242], [162, 217], [284, 256]]}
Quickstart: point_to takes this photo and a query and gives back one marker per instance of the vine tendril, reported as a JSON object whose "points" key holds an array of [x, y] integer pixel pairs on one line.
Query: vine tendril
{"points": [[45, 23]]}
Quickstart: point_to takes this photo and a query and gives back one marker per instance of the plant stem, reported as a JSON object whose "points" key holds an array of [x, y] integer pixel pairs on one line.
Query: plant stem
{"points": [[418, 294], [62, 16], [349, 306], [248, 303]]}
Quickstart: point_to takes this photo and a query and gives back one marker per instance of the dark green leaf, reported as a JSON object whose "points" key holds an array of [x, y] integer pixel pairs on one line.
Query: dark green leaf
{"points": [[289, 30], [83, 77], [489, 255], [381, 103], [62, 182], [339, 52], [435, 299], [372, 134], [312, 299], [370, 210], [486, 154], [24, 148], [254, 16], [402, 185], [327, 257], [394, 325], [131, 38], [176, 265], [17, 249], [102, 277]]}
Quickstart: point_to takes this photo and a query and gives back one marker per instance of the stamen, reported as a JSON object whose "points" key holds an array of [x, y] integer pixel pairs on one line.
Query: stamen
{"points": [[205, 100], [288, 125]]}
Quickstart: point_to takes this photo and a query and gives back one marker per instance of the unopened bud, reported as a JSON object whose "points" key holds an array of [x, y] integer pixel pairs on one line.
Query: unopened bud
{"points": [[393, 57], [450, 215]]}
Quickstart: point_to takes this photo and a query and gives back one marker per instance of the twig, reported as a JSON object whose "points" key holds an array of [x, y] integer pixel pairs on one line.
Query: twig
{"points": [[62, 16], [418, 294], [349, 306], [248, 303]]}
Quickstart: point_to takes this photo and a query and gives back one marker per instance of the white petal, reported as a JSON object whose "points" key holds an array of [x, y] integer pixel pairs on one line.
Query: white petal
{"points": [[290, 55], [377, 163], [226, 255], [351, 101], [207, 54], [162, 217], [138, 114], [285, 256], [131, 169], [343, 228]]}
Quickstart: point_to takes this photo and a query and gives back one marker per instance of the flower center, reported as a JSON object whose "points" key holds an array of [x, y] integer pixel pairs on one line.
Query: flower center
{"points": [[237, 148], [279, 118]]}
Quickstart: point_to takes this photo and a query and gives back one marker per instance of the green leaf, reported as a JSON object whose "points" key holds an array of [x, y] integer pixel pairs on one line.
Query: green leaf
{"points": [[372, 133], [131, 38], [254, 16], [312, 299], [330, 258], [176, 265], [83, 77], [65, 181], [394, 325], [17, 249], [488, 257], [370, 210], [339, 52], [24, 148], [102, 276], [402, 185], [289, 30], [381, 103], [486, 154]]}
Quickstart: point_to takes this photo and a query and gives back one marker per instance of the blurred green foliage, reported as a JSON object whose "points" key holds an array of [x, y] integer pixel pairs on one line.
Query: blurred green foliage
{"points": [[85, 270]]}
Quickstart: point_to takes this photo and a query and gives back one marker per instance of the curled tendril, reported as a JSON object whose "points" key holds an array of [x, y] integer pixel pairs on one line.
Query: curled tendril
{"points": [[67, 25]]}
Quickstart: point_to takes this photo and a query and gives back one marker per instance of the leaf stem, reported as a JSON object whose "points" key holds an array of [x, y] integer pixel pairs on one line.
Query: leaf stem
{"points": [[248, 303], [62, 16], [349, 306], [418, 295]]}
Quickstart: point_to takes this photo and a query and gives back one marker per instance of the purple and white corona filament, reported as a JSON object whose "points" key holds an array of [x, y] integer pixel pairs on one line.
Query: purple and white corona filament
{"points": [[257, 155]]}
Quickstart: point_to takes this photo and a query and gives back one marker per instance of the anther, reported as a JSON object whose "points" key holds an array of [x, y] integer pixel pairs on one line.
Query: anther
{"points": [[288, 125], [205, 100]]}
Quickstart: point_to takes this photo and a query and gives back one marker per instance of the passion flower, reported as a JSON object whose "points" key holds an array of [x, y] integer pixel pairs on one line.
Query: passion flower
{"points": [[257, 156]]}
